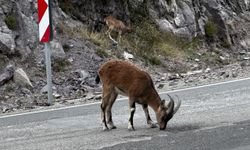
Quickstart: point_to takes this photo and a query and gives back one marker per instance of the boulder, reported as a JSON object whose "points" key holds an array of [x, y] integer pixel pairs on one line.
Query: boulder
{"points": [[164, 25], [57, 51], [21, 78], [7, 43], [83, 74], [127, 55], [7, 74]]}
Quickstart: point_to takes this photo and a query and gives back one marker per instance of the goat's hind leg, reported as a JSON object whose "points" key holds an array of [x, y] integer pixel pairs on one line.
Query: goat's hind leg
{"points": [[150, 123], [113, 96], [131, 117], [104, 104]]}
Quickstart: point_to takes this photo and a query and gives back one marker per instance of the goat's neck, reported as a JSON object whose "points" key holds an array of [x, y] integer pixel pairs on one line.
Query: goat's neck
{"points": [[154, 101]]}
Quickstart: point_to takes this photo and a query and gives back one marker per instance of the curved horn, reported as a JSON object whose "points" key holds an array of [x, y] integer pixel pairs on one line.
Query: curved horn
{"points": [[178, 103], [170, 106]]}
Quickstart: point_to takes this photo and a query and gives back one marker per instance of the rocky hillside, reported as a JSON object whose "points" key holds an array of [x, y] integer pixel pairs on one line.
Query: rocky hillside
{"points": [[168, 37]]}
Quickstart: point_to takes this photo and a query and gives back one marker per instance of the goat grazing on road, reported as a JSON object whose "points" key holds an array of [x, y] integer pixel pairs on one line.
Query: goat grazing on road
{"points": [[122, 77]]}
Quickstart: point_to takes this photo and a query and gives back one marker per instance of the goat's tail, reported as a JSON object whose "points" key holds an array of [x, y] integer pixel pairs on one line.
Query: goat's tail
{"points": [[97, 79]]}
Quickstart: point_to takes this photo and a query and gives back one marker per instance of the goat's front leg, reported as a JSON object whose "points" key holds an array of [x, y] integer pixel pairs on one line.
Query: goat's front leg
{"points": [[119, 36], [132, 111], [112, 38], [150, 123]]}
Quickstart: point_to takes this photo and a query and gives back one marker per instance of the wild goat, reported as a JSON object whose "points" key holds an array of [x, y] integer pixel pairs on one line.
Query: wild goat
{"points": [[122, 77], [116, 25]]}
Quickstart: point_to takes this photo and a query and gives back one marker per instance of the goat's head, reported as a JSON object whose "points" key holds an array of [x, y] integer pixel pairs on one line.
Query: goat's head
{"points": [[166, 111]]}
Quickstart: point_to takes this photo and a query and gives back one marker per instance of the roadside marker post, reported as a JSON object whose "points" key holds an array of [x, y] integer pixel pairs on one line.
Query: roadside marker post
{"points": [[45, 36]]}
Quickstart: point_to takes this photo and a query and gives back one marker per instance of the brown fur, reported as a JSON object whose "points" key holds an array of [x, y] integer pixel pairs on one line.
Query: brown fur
{"points": [[116, 25], [122, 77]]}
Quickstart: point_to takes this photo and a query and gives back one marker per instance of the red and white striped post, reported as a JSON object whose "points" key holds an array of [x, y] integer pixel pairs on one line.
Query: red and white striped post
{"points": [[45, 36]]}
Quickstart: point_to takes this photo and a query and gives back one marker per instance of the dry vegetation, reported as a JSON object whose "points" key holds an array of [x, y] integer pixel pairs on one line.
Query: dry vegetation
{"points": [[146, 42]]}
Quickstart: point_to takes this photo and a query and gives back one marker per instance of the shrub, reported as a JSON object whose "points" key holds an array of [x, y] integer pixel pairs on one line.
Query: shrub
{"points": [[9, 88], [60, 65], [154, 60], [11, 22], [211, 29], [102, 53]]}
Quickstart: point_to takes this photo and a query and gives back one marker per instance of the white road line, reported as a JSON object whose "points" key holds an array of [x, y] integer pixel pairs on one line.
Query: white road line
{"points": [[120, 99]]}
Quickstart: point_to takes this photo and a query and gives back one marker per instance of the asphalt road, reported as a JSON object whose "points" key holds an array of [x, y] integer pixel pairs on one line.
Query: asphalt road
{"points": [[211, 117]]}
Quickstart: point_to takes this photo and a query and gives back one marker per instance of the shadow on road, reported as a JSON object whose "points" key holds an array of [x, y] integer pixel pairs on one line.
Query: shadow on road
{"points": [[182, 128]]}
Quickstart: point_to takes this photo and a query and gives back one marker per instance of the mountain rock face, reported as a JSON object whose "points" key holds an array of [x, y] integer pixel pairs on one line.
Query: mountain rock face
{"points": [[185, 18]]}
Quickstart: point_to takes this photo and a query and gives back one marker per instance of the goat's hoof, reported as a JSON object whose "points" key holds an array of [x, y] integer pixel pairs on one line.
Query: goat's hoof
{"points": [[152, 125], [105, 128], [131, 128], [112, 127]]}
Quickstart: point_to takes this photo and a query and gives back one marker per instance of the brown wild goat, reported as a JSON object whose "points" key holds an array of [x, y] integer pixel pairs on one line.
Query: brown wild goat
{"points": [[116, 25], [122, 77]]}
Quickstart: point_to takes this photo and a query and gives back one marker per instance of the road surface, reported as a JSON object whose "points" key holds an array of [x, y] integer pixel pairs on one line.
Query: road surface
{"points": [[211, 117]]}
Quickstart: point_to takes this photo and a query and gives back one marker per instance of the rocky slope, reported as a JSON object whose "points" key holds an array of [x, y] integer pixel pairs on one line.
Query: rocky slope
{"points": [[223, 25]]}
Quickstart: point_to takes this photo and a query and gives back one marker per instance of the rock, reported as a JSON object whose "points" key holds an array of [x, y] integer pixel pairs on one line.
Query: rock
{"points": [[44, 90], [41, 101], [226, 75], [7, 44], [188, 13], [27, 102], [173, 77], [160, 86], [207, 70], [243, 52], [173, 83], [222, 58], [195, 67], [90, 95], [222, 73], [4, 109], [179, 20], [127, 56], [234, 74], [201, 24], [246, 58], [21, 78], [71, 60], [26, 91], [182, 32], [98, 97], [245, 43], [165, 25], [196, 59], [57, 50], [82, 74], [7, 75], [56, 95]]}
